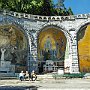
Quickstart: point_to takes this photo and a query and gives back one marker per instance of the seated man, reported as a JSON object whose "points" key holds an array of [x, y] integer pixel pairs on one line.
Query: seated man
{"points": [[26, 76], [33, 76], [21, 76]]}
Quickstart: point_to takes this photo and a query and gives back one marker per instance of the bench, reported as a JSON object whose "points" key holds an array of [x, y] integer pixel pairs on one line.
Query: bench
{"points": [[74, 75], [68, 75]]}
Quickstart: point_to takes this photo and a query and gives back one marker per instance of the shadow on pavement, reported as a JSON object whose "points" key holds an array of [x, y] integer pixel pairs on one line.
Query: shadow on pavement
{"points": [[18, 88]]}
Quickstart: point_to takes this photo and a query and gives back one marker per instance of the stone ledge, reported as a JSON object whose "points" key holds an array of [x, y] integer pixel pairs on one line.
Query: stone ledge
{"points": [[46, 18]]}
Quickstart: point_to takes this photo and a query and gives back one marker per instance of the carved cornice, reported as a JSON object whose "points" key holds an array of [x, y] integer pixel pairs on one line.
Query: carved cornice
{"points": [[46, 18]]}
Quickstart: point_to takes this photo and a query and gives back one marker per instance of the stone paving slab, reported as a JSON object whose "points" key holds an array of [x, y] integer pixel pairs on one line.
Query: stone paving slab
{"points": [[46, 84]]}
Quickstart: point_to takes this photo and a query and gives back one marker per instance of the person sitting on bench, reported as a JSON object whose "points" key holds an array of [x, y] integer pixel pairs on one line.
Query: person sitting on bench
{"points": [[21, 76], [33, 76], [26, 77]]}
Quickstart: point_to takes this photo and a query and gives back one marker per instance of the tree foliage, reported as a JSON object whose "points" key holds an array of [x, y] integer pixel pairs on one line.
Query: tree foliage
{"points": [[37, 7]]}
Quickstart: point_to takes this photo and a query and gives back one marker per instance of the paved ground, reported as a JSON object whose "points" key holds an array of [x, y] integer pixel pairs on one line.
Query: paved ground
{"points": [[46, 84]]}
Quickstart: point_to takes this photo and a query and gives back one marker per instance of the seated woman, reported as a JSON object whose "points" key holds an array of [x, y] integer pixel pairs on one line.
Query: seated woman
{"points": [[26, 76], [33, 76]]}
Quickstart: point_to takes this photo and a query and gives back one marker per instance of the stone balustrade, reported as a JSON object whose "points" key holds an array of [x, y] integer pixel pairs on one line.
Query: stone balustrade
{"points": [[46, 18]]}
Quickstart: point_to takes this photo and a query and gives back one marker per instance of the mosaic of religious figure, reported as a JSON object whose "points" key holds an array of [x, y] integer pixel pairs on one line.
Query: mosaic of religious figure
{"points": [[51, 45], [47, 52]]}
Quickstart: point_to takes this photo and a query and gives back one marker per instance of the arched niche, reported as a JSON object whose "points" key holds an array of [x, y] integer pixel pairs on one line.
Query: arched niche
{"points": [[51, 45], [13, 39], [83, 37]]}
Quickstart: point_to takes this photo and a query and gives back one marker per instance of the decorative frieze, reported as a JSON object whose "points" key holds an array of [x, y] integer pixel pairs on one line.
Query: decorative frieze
{"points": [[46, 18]]}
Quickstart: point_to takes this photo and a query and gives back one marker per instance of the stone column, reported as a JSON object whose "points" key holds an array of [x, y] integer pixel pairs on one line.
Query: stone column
{"points": [[33, 52], [29, 51], [75, 65], [68, 57]]}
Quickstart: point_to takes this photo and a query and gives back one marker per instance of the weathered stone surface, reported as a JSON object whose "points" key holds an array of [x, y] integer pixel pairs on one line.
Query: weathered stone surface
{"points": [[33, 24]]}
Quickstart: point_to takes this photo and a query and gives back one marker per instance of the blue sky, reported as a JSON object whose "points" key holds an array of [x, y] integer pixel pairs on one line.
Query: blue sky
{"points": [[78, 6]]}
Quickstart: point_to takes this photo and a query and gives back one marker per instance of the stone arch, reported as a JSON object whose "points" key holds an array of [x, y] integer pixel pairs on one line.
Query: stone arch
{"points": [[83, 37], [63, 29], [16, 46], [82, 25], [65, 33]]}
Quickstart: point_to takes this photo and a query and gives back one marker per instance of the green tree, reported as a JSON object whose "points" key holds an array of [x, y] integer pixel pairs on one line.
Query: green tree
{"points": [[70, 11], [60, 3], [36, 7], [61, 10], [47, 8]]}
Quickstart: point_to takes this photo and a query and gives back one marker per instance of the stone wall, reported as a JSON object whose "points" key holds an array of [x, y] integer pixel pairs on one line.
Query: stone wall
{"points": [[33, 24]]}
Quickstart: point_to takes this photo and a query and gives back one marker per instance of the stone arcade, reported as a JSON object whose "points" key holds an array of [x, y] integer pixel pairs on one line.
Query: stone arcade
{"points": [[31, 40]]}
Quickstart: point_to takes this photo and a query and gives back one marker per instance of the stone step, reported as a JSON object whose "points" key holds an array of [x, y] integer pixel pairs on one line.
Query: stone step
{"points": [[7, 75], [45, 76], [38, 77], [15, 76], [6, 78]]}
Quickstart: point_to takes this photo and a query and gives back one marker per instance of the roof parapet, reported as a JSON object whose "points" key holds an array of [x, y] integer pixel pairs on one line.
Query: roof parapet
{"points": [[46, 18]]}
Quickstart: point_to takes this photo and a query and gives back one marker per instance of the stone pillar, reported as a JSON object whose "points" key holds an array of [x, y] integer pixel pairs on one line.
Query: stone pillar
{"points": [[68, 57], [75, 64], [33, 53], [29, 51]]}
